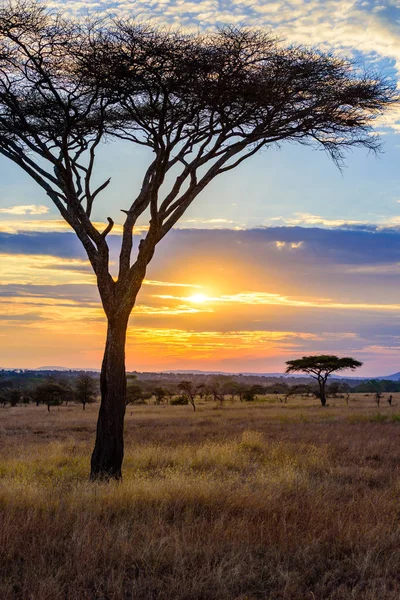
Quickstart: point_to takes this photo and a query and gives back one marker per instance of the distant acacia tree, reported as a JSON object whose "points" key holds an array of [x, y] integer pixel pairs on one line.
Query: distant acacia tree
{"points": [[202, 104], [51, 393], [321, 367], [135, 394], [252, 392], [188, 390], [85, 389], [160, 394]]}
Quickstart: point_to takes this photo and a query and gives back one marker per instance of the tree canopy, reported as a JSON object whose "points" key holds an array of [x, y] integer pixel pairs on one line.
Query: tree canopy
{"points": [[320, 367]]}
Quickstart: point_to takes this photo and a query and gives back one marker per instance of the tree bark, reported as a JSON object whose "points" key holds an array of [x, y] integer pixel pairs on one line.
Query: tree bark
{"points": [[322, 393], [108, 452]]}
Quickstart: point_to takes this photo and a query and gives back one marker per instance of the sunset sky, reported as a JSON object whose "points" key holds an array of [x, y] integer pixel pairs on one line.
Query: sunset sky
{"points": [[282, 257]]}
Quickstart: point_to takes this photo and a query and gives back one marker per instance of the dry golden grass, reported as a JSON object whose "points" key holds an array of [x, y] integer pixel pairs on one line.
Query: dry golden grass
{"points": [[267, 501]]}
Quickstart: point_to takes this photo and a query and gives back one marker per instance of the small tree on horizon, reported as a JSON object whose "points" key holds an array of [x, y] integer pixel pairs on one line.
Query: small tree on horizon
{"points": [[85, 389], [320, 367], [200, 104], [51, 393], [188, 390]]}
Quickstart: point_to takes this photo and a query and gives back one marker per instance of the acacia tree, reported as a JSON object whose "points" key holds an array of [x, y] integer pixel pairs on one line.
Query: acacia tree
{"points": [[85, 389], [321, 367], [201, 103], [189, 391], [51, 393]]}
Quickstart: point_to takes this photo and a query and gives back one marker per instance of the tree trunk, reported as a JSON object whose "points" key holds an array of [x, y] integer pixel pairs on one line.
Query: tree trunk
{"points": [[108, 452], [322, 394]]}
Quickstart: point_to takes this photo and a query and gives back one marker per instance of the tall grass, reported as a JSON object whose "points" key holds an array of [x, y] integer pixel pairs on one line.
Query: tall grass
{"points": [[210, 508]]}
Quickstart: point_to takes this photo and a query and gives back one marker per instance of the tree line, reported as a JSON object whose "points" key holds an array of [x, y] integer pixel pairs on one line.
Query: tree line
{"points": [[83, 388]]}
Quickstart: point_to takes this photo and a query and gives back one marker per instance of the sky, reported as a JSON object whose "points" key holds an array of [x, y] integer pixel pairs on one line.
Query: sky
{"points": [[283, 257]]}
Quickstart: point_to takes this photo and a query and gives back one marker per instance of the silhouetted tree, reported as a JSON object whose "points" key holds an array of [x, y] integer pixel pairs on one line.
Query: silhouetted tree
{"points": [[201, 103], [333, 389], [135, 394], [300, 390], [215, 390], [51, 393], [85, 389], [320, 368], [189, 391], [160, 394], [14, 397], [251, 393]]}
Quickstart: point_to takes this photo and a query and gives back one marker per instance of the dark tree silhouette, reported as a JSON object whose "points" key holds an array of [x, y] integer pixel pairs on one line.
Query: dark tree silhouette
{"points": [[51, 393], [321, 367], [135, 394], [189, 390], [252, 392], [160, 394], [85, 389], [201, 103]]}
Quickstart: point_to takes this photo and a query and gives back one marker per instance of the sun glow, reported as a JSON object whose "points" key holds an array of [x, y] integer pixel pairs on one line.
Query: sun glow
{"points": [[198, 298]]}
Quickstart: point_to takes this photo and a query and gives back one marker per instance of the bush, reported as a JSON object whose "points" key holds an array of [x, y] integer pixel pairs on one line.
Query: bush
{"points": [[248, 396], [179, 400]]}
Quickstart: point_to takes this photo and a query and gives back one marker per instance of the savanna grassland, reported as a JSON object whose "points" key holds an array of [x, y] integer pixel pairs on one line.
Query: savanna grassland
{"points": [[251, 501]]}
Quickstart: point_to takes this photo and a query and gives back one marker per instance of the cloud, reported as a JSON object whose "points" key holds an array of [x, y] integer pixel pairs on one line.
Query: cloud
{"points": [[321, 283], [267, 299], [307, 219], [52, 225], [293, 245], [39, 269], [25, 209], [170, 284]]}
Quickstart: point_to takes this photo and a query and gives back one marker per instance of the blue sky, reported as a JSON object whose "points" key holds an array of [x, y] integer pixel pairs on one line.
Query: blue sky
{"points": [[318, 248]]}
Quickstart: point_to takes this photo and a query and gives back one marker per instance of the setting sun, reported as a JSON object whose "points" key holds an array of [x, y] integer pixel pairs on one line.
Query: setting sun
{"points": [[198, 298]]}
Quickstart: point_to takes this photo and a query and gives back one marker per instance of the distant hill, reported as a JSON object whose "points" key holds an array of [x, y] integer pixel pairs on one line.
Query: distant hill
{"points": [[394, 377]]}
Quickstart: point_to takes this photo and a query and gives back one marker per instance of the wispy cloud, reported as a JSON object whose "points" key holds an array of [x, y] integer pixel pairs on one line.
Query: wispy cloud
{"points": [[267, 299], [170, 284], [25, 209], [292, 245], [310, 220], [39, 269], [53, 225]]}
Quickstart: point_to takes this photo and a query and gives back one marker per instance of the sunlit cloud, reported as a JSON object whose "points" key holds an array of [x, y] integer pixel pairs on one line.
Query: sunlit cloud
{"points": [[170, 284], [264, 298], [181, 309], [181, 344], [40, 269], [310, 220], [212, 314], [300, 219], [291, 245], [55, 225], [25, 209], [211, 223], [45, 269]]}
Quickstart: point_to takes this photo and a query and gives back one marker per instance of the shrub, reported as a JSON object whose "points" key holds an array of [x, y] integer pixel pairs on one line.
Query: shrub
{"points": [[179, 400]]}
